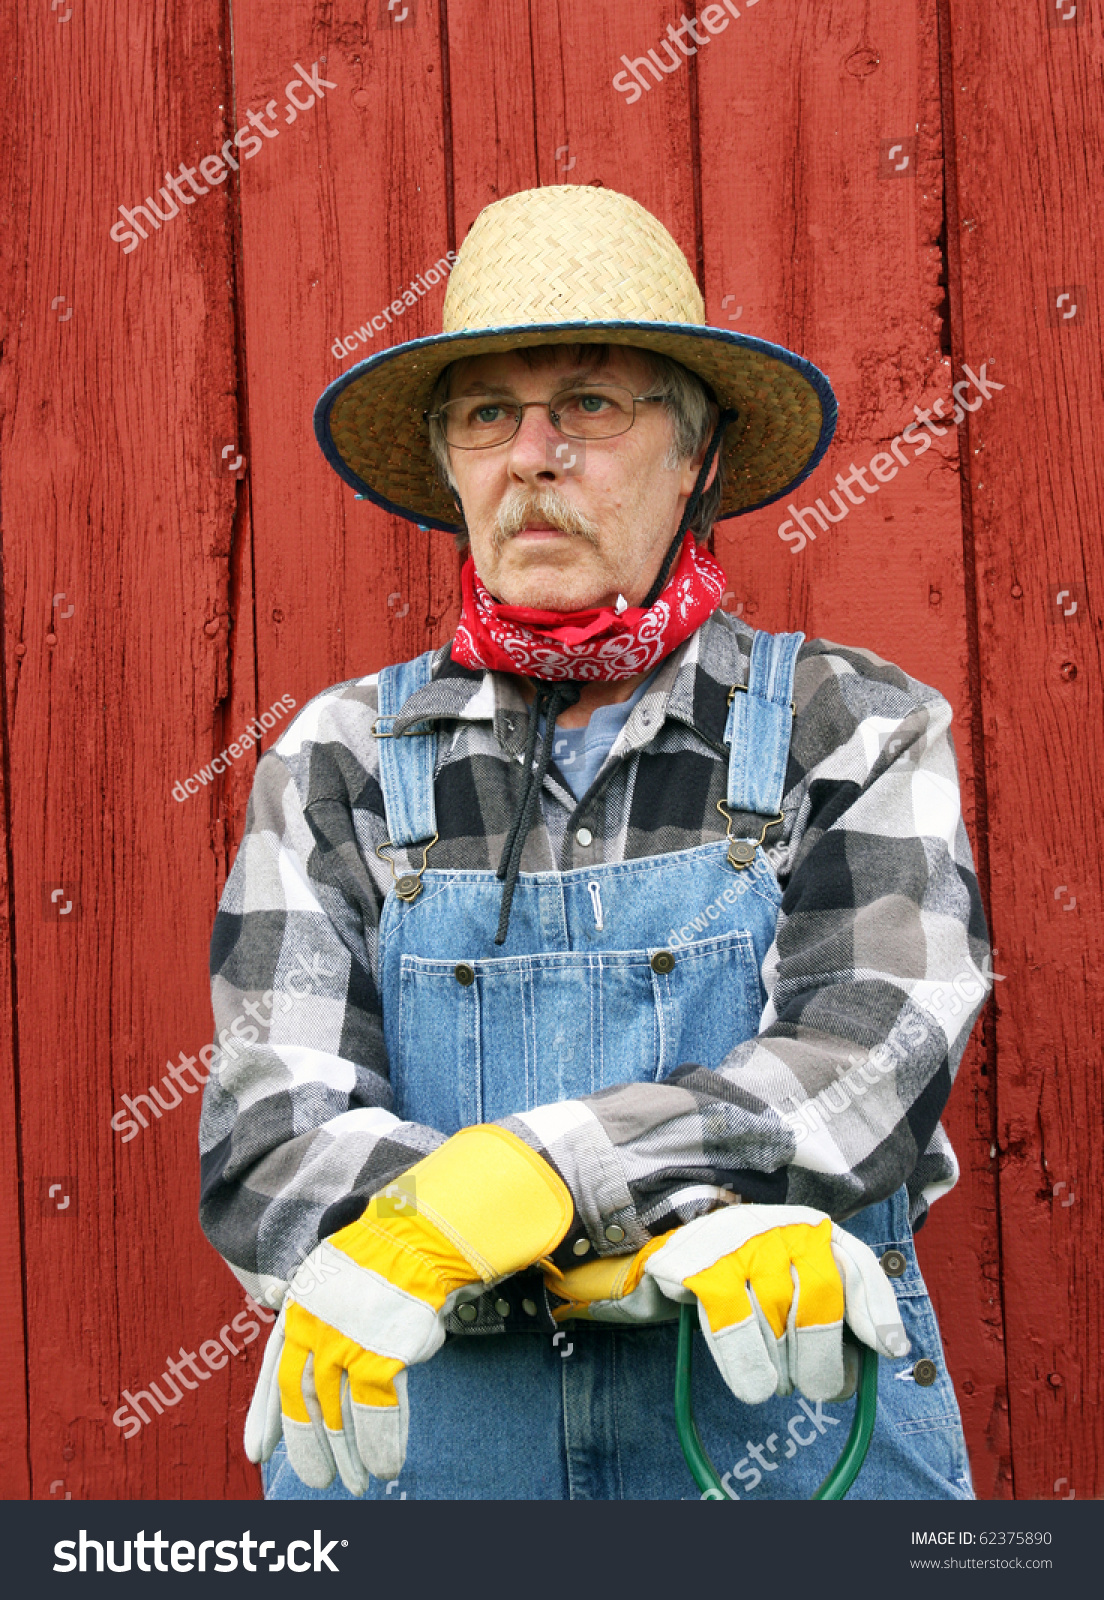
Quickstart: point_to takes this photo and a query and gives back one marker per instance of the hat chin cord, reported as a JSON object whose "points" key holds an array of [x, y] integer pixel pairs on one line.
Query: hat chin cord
{"points": [[691, 506]]}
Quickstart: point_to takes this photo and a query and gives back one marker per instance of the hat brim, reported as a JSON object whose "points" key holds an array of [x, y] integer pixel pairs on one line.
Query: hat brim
{"points": [[371, 430]]}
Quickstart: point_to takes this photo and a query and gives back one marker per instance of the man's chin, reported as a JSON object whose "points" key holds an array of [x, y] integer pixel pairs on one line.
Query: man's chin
{"points": [[527, 599], [547, 588]]}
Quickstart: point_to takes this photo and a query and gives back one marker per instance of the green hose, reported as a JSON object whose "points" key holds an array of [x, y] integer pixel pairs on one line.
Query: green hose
{"points": [[846, 1469]]}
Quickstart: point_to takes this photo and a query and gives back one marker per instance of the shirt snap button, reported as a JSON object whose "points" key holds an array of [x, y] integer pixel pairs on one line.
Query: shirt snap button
{"points": [[464, 974], [467, 1312], [894, 1264], [584, 837], [502, 1307], [925, 1372], [529, 1307], [663, 961], [580, 1247], [614, 1233]]}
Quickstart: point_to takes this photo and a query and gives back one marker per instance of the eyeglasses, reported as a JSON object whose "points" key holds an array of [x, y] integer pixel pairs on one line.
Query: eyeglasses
{"points": [[600, 411]]}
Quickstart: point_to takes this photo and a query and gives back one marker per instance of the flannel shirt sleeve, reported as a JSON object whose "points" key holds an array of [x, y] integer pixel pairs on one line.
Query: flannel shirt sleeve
{"points": [[875, 977], [297, 1130]]}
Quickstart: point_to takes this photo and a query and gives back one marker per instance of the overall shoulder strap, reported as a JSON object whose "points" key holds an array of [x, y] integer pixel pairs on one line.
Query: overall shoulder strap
{"points": [[760, 720], [407, 761]]}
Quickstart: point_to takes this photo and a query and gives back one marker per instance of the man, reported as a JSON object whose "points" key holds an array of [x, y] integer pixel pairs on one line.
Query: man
{"points": [[604, 955]]}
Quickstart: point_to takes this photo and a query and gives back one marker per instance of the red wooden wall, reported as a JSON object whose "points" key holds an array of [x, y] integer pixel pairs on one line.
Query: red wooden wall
{"points": [[158, 472]]}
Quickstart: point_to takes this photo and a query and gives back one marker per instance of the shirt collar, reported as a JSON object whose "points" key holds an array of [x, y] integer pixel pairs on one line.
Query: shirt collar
{"points": [[691, 687]]}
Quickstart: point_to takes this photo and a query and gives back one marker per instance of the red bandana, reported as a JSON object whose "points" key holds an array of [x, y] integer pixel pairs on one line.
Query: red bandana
{"points": [[590, 646]]}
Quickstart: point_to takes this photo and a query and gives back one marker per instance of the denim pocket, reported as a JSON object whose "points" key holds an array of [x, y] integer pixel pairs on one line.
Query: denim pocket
{"points": [[479, 1040]]}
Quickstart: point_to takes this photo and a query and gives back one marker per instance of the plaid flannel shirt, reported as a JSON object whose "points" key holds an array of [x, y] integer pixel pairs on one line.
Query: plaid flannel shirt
{"points": [[876, 974]]}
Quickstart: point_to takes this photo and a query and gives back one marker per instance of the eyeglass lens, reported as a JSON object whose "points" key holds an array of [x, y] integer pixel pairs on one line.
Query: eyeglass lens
{"points": [[600, 411]]}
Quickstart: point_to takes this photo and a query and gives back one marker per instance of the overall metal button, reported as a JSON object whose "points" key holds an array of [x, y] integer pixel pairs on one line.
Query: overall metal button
{"points": [[925, 1372], [502, 1307], [615, 1234], [408, 887], [663, 961], [467, 1312], [741, 853], [584, 837], [464, 974], [580, 1247], [529, 1307], [894, 1264]]}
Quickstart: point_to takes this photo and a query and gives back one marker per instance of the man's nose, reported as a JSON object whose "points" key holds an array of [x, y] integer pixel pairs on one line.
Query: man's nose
{"points": [[538, 453]]}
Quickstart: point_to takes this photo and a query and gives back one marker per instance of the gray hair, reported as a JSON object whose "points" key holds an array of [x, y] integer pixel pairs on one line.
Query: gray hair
{"points": [[686, 397]]}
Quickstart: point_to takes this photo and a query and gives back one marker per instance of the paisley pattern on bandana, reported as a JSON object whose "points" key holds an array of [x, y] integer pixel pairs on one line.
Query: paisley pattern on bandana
{"points": [[587, 646]]}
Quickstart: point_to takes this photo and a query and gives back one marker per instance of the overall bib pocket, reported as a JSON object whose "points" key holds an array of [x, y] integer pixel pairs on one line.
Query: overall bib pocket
{"points": [[481, 1039]]}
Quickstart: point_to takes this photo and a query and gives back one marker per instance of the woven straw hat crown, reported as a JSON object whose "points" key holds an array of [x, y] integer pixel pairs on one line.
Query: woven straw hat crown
{"points": [[558, 254], [571, 264]]}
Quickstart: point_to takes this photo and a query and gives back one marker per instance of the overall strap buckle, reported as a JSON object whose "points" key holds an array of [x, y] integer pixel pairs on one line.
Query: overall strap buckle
{"points": [[408, 885], [741, 852]]}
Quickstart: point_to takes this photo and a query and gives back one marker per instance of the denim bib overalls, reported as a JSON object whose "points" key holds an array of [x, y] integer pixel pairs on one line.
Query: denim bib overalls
{"points": [[611, 974]]}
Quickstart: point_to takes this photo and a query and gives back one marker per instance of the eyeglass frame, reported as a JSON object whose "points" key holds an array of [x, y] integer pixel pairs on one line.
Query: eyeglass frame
{"points": [[521, 406]]}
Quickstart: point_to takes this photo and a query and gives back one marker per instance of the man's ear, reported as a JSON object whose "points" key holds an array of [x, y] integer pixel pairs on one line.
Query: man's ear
{"points": [[692, 466]]}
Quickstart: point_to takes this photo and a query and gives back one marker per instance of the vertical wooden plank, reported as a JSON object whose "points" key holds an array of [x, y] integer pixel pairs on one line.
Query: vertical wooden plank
{"points": [[118, 508], [15, 1477], [817, 237], [1029, 159], [346, 209], [547, 72]]}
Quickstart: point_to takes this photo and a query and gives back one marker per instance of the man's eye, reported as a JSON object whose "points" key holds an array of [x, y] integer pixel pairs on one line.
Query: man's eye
{"points": [[484, 415], [592, 404]]}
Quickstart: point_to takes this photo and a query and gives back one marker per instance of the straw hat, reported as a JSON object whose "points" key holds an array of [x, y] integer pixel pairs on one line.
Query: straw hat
{"points": [[571, 264]]}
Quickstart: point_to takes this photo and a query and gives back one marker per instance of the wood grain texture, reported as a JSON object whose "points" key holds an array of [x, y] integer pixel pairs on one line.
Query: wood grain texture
{"points": [[201, 595], [348, 208], [114, 493], [1030, 200]]}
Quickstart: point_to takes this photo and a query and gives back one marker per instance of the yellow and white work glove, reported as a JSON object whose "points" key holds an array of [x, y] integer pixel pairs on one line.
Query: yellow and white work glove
{"points": [[773, 1286], [371, 1301], [612, 1289]]}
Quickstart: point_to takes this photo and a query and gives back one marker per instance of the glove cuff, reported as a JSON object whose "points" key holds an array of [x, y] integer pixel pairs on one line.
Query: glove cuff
{"points": [[499, 1203]]}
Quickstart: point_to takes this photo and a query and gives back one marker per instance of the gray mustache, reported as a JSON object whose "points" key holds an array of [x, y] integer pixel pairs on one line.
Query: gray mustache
{"points": [[547, 506]]}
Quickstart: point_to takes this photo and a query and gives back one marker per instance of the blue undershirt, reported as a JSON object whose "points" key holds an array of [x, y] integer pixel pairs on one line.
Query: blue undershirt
{"points": [[578, 753]]}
